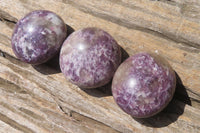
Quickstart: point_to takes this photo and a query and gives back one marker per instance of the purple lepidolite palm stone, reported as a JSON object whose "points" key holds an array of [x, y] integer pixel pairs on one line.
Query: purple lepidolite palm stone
{"points": [[38, 36], [143, 85], [89, 57]]}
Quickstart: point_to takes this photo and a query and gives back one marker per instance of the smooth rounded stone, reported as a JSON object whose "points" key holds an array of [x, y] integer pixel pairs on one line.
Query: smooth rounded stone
{"points": [[38, 36], [143, 85], [89, 57]]}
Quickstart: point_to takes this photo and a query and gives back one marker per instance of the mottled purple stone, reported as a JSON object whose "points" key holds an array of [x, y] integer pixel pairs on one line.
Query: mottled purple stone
{"points": [[143, 85], [38, 36], [89, 57]]}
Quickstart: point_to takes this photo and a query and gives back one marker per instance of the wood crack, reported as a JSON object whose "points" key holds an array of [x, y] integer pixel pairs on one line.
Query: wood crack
{"points": [[14, 124], [193, 92], [6, 16], [7, 19]]}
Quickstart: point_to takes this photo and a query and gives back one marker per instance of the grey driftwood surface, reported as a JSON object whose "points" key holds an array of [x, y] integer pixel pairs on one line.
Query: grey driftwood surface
{"points": [[39, 99]]}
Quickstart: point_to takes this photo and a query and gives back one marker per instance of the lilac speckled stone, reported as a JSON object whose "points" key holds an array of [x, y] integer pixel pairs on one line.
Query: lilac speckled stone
{"points": [[38, 36], [89, 57], [143, 85]]}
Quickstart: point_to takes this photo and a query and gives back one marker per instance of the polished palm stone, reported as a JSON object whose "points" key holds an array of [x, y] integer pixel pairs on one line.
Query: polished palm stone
{"points": [[143, 85], [38, 36], [89, 57]]}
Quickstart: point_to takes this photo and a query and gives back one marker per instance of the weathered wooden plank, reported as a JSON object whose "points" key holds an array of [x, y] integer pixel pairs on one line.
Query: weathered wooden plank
{"points": [[26, 112], [54, 88], [183, 57], [7, 128], [168, 27]]}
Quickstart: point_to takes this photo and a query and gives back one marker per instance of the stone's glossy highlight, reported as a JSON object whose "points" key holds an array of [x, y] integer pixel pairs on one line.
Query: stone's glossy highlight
{"points": [[89, 57], [38, 36], [143, 85]]}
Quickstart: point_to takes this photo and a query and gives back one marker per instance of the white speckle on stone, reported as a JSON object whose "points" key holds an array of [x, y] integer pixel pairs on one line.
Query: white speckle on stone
{"points": [[141, 93], [155, 68], [27, 46], [43, 33], [33, 55], [167, 72], [138, 67], [142, 109], [168, 86], [54, 19]]}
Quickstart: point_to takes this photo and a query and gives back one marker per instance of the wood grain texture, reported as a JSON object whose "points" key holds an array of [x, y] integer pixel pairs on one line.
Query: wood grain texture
{"points": [[39, 99]]}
